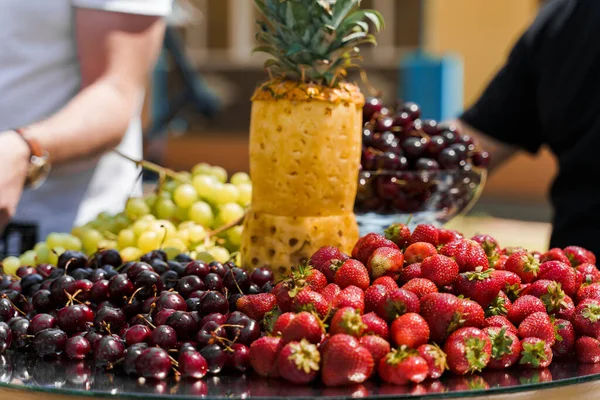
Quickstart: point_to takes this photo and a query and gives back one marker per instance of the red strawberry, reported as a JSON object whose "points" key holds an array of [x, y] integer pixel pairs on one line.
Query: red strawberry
{"points": [[323, 257], [377, 346], [350, 297], [554, 298], [443, 313], [398, 233], [523, 264], [488, 243], [565, 339], [510, 279], [375, 297], [305, 275], [282, 322], [586, 318], [468, 254], [309, 300], [480, 286], [560, 272], [587, 350], [472, 313], [420, 287], [375, 325], [409, 330], [425, 233], [538, 325], [589, 273], [398, 302], [417, 252], [330, 291], [506, 347], [282, 292], [367, 244], [436, 359], [566, 309], [263, 356], [578, 255], [500, 263], [499, 306], [298, 362], [386, 282], [448, 235], [536, 353], [347, 320], [498, 321], [468, 350], [304, 326], [439, 269], [352, 272], [345, 361], [385, 261], [509, 251], [591, 291], [402, 367], [523, 307], [256, 305], [555, 254], [409, 272]]}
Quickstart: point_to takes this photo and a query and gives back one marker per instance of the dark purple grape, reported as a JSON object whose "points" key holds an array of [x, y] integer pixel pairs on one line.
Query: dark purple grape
{"points": [[254, 289], [427, 164], [461, 150], [210, 333], [159, 266], [49, 342], [449, 159], [108, 351], [154, 254], [267, 287], [135, 268], [7, 310], [153, 363], [98, 275], [81, 273], [99, 291], [77, 348], [372, 106], [198, 268], [218, 268], [412, 109], [213, 302], [193, 303], [137, 334], [177, 267], [163, 336], [110, 271], [239, 358], [110, 319], [384, 123], [413, 147], [184, 325], [215, 357], [402, 119], [213, 281], [481, 159], [183, 258], [192, 365], [30, 280], [5, 337], [170, 279], [71, 260], [237, 280], [189, 284], [131, 355], [40, 322], [435, 145], [430, 127]]}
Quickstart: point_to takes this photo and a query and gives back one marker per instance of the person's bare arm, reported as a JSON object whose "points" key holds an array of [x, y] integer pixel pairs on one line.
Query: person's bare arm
{"points": [[499, 152]]}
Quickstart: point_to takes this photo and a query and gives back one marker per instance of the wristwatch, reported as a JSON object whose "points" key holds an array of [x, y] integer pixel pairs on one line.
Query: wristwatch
{"points": [[39, 162]]}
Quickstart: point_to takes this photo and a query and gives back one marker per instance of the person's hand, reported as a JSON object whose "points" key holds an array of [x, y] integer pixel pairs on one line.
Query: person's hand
{"points": [[14, 162]]}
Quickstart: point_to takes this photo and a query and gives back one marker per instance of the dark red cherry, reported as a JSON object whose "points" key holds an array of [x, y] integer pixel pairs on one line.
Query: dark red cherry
{"points": [[24, 271], [412, 109], [215, 357], [170, 300], [159, 266], [163, 336], [430, 127], [108, 351], [71, 260], [149, 282], [41, 322], [20, 332], [413, 147], [388, 186], [60, 287], [384, 123], [260, 276], [137, 334], [44, 270], [160, 318], [242, 330], [237, 279], [220, 319], [213, 302], [7, 310], [183, 323], [481, 159], [372, 106], [218, 268], [109, 319], [77, 348], [131, 355], [49, 342], [210, 333], [5, 337], [99, 291], [435, 145], [449, 159], [198, 268], [239, 357], [189, 284], [170, 279], [427, 164], [120, 288], [192, 365], [153, 363], [74, 318], [136, 268], [213, 281], [93, 338], [402, 119]]}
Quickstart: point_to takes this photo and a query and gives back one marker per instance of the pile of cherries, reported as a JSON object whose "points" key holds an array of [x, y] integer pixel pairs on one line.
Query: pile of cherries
{"points": [[150, 318]]}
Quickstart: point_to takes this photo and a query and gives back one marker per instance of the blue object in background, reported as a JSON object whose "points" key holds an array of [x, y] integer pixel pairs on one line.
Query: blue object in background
{"points": [[434, 83]]}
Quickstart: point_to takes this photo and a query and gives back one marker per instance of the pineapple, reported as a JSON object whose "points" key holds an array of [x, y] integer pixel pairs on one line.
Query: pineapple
{"points": [[305, 131]]}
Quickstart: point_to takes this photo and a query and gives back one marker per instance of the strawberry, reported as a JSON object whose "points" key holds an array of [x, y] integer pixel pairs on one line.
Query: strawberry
{"points": [[554, 298], [345, 361], [448, 235], [439, 269], [298, 362], [322, 259], [488, 243], [256, 305], [347, 320], [565, 339], [402, 367], [499, 263], [385, 261], [263, 356], [398, 302], [443, 313], [510, 279], [308, 300], [562, 273], [409, 330], [591, 291], [304, 326], [385, 281], [425, 233], [436, 359], [587, 350], [578, 255], [589, 273], [555, 254], [377, 346], [305, 275], [367, 244], [538, 325], [417, 252], [351, 272], [535, 353], [523, 264], [509, 251], [282, 292], [375, 297], [420, 287], [499, 306], [350, 297], [472, 313], [330, 291], [586, 318], [375, 325], [468, 254], [282, 322], [398, 233], [523, 307], [468, 350], [506, 348], [480, 286], [499, 321], [409, 272], [467, 383]]}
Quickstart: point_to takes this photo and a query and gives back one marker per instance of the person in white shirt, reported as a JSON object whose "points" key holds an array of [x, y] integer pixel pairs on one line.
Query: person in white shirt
{"points": [[72, 79]]}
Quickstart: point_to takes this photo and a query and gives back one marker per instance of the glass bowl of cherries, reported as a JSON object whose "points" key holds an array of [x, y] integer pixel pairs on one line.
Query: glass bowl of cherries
{"points": [[415, 170]]}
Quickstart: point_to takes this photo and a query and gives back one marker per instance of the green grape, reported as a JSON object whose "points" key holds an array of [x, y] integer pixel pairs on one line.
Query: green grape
{"points": [[234, 236], [55, 239], [197, 233], [185, 175], [185, 195], [126, 238], [77, 231], [204, 256], [164, 194], [164, 227], [171, 252], [149, 241], [141, 226], [229, 212], [121, 222], [72, 243], [245, 190], [226, 193], [165, 208], [107, 244], [220, 173], [201, 169], [28, 258], [90, 240], [58, 251], [42, 253], [185, 225], [175, 243], [104, 215], [182, 214], [130, 254], [150, 200], [240, 177], [11, 264], [219, 253], [148, 218], [204, 185], [136, 208], [201, 213], [170, 186]]}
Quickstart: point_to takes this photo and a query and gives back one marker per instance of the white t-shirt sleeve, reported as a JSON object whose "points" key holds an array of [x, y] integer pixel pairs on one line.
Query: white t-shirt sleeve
{"points": [[144, 7]]}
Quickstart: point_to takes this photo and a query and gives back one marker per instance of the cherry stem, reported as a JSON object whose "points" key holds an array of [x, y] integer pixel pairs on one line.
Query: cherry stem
{"points": [[68, 263], [146, 320], [133, 295], [236, 284], [173, 361], [13, 304]]}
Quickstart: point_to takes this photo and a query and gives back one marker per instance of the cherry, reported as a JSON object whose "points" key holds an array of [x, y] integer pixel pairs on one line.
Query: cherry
{"points": [[170, 279], [183, 323], [77, 348], [183, 258], [430, 127], [413, 147], [372, 106], [49, 342], [7, 310], [233, 298], [213, 281], [213, 302], [20, 331], [481, 159], [427, 164], [267, 287], [99, 291], [449, 158], [80, 273], [60, 287], [367, 160], [260, 276], [412, 109], [131, 355], [220, 319], [110, 271], [254, 289], [154, 254], [24, 271], [136, 268], [193, 303], [449, 126], [148, 283], [210, 333], [192, 364], [367, 137], [110, 319], [15, 287], [41, 322], [402, 119], [163, 336], [5, 336], [198, 268], [242, 329], [387, 187], [132, 307], [161, 317], [239, 358], [450, 136], [27, 282], [177, 267], [153, 363], [390, 162], [159, 266], [218, 268], [384, 123], [461, 150], [170, 300], [215, 357], [189, 284], [108, 351], [110, 257], [93, 338], [120, 288], [237, 279], [44, 270], [435, 145], [71, 260], [137, 334]]}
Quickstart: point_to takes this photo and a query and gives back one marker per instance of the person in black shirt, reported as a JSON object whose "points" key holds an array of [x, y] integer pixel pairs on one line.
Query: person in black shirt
{"points": [[548, 93]]}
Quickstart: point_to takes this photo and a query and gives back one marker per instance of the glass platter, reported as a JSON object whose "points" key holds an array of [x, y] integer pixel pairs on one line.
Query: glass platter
{"points": [[58, 377]]}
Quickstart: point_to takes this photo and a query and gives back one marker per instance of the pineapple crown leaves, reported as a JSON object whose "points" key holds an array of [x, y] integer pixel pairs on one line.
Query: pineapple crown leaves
{"points": [[314, 40], [475, 354], [534, 353], [501, 343], [305, 356], [554, 298], [591, 312]]}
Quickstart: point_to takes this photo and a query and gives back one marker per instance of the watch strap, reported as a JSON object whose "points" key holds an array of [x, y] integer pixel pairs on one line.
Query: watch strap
{"points": [[34, 146]]}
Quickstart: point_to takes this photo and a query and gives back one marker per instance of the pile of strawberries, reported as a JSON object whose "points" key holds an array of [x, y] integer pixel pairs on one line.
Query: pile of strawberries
{"points": [[408, 306]]}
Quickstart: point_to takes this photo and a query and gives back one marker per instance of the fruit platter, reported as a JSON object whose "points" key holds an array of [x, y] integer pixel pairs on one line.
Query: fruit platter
{"points": [[325, 272]]}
